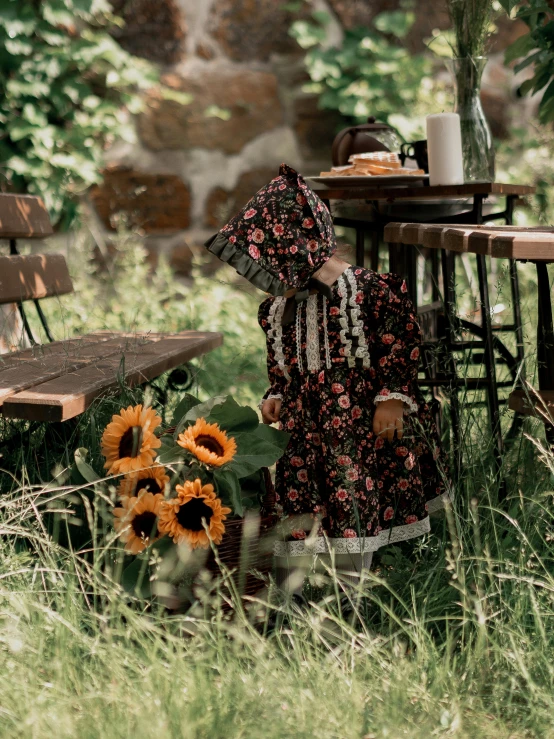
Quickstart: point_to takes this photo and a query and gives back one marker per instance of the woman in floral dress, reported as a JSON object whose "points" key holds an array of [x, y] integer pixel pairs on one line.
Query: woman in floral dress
{"points": [[361, 469]]}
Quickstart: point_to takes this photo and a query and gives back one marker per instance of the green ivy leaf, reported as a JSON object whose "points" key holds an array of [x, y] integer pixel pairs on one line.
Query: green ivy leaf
{"points": [[397, 23], [521, 47]]}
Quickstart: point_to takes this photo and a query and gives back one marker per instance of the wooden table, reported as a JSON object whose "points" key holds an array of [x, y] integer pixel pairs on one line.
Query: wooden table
{"points": [[501, 242], [58, 381], [477, 192]]}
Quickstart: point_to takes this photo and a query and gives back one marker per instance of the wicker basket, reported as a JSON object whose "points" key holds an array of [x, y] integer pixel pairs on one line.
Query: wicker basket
{"points": [[246, 550], [243, 548]]}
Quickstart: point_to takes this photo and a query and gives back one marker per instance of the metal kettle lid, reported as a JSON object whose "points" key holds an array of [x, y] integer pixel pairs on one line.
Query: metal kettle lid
{"points": [[373, 125], [341, 146]]}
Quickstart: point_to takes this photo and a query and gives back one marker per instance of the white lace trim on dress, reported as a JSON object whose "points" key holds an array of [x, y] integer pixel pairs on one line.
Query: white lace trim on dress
{"points": [[439, 503], [275, 333], [412, 405], [343, 319], [326, 335], [357, 324], [269, 397], [350, 321], [312, 335], [322, 545]]}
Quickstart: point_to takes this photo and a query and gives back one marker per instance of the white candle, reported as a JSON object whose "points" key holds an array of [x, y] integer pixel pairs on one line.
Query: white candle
{"points": [[444, 144]]}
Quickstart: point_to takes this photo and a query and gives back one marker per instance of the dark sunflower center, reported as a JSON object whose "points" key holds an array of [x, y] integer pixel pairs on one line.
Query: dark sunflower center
{"points": [[144, 525], [191, 514], [211, 444], [131, 442], [149, 483]]}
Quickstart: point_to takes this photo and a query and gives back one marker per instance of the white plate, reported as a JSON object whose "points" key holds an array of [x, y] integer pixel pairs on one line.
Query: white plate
{"points": [[369, 180]]}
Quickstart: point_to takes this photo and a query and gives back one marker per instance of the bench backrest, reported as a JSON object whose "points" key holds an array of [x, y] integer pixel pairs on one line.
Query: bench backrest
{"points": [[33, 276]]}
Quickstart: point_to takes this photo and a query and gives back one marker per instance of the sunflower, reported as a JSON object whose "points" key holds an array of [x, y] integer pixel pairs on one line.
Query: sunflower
{"points": [[137, 521], [152, 479], [208, 443], [128, 442], [181, 517]]}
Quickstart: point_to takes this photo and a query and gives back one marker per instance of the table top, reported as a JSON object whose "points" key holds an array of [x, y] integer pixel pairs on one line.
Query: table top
{"points": [[411, 192], [58, 381], [504, 242]]}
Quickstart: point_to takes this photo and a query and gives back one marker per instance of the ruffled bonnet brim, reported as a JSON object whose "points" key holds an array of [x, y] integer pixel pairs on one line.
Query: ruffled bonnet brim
{"points": [[245, 265]]}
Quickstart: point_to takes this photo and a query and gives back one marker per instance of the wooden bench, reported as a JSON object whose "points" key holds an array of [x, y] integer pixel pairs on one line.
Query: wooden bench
{"points": [[59, 380]]}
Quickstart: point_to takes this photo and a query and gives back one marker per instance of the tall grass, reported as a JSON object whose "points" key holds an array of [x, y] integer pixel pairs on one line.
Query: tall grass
{"points": [[451, 635]]}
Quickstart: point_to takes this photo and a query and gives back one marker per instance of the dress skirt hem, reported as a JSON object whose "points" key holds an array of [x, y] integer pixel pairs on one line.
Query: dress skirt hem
{"points": [[343, 545]]}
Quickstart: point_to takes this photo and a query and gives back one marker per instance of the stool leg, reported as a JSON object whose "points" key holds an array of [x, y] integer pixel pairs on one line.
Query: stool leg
{"points": [[545, 337], [450, 364], [518, 325], [492, 390]]}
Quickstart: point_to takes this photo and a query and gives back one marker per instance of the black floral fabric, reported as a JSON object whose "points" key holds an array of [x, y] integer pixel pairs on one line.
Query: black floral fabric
{"points": [[281, 237], [351, 489]]}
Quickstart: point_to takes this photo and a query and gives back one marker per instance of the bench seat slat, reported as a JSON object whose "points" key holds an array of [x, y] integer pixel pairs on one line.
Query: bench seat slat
{"points": [[69, 395], [503, 242], [46, 362]]}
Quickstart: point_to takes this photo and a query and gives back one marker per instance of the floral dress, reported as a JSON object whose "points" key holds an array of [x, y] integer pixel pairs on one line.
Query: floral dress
{"points": [[338, 484]]}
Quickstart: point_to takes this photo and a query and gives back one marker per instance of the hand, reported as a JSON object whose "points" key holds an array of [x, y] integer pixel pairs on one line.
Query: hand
{"points": [[388, 418], [271, 410]]}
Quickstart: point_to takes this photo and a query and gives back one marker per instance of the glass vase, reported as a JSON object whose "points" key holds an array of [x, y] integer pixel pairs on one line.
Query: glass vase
{"points": [[477, 142]]}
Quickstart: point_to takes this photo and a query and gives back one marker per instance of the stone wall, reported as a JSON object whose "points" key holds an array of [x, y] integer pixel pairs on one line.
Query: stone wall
{"points": [[231, 109]]}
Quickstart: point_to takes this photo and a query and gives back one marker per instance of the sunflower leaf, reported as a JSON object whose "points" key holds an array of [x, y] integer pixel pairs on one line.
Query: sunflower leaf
{"points": [[135, 578], [186, 403], [259, 449], [169, 452], [202, 410], [85, 469], [228, 487], [232, 417]]}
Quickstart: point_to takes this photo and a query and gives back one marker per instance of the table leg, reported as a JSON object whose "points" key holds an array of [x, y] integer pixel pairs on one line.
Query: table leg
{"points": [[492, 390], [375, 241], [360, 247], [545, 337]]}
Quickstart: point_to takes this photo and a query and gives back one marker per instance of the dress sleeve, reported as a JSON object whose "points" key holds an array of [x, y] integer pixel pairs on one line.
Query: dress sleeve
{"points": [[396, 342], [276, 370]]}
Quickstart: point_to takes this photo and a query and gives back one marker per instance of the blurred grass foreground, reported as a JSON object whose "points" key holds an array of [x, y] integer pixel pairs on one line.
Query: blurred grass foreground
{"points": [[451, 636]]}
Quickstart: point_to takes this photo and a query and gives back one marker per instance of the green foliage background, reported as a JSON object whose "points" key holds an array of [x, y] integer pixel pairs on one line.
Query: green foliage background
{"points": [[66, 89], [537, 48], [371, 73]]}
